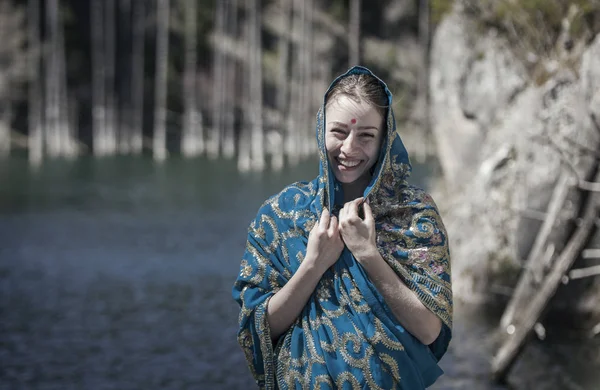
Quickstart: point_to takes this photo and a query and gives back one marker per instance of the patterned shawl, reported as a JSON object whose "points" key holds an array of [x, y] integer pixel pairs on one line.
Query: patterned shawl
{"points": [[346, 336]]}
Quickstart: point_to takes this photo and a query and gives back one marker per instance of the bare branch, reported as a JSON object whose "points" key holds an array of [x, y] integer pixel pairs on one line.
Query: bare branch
{"points": [[589, 186], [590, 253], [584, 272], [583, 148], [532, 214]]}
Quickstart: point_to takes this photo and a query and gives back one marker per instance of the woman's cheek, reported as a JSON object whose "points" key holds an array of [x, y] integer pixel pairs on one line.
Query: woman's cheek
{"points": [[331, 144], [328, 142]]}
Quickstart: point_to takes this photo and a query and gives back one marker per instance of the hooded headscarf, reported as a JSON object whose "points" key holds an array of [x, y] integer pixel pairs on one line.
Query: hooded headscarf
{"points": [[346, 335]]}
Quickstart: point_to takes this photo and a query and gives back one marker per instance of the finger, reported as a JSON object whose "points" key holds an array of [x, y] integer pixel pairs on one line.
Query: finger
{"points": [[353, 208], [369, 219], [324, 222], [333, 227]]}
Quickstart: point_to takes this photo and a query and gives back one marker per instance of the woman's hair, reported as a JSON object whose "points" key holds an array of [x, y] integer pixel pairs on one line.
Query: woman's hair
{"points": [[360, 88]]}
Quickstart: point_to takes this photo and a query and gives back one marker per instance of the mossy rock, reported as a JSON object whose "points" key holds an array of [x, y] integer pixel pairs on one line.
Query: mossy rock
{"points": [[439, 9]]}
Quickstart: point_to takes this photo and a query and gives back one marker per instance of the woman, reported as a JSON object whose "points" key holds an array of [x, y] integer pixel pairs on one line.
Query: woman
{"points": [[345, 282]]}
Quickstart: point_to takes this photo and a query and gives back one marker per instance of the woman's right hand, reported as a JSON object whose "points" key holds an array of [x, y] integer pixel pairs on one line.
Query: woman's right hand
{"points": [[325, 243]]}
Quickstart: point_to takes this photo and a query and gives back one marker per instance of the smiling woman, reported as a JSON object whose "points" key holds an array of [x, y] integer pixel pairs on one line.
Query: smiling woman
{"points": [[353, 137], [345, 281]]}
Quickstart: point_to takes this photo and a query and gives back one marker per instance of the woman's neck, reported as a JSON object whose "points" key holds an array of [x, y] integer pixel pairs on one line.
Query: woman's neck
{"points": [[355, 189]]}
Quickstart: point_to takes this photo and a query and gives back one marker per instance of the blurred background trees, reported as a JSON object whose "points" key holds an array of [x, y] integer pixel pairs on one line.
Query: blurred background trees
{"points": [[233, 78]]}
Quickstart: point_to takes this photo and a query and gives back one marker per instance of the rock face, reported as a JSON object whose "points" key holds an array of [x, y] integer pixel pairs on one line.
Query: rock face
{"points": [[503, 143]]}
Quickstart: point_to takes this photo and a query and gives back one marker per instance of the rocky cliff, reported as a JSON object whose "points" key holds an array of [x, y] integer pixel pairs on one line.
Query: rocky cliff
{"points": [[505, 139]]}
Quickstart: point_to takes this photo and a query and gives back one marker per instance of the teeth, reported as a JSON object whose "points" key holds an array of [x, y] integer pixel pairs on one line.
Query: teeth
{"points": [[349, 163]]}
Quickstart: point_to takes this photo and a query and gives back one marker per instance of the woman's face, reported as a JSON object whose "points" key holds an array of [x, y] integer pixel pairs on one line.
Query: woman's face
{"points": [[353, 134]]}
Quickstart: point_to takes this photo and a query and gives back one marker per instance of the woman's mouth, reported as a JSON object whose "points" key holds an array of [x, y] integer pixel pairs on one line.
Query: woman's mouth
{"points": [[347, 164]]}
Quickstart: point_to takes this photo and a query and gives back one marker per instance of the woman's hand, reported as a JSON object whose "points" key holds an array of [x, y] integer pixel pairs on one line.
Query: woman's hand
{"points": [[323, 249], [358, 234], [325, 244]]}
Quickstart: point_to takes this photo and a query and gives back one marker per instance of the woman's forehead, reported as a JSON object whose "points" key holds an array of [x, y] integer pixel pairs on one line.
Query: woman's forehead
{"points": [[344, 109]]}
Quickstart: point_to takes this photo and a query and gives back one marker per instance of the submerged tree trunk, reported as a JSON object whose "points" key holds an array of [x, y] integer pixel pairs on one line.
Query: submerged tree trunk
{"points": [[258, 156], [307, 112], [137, 76], [214, 139], [300, 107], [162, 55], [67, 133], [52, 110], [98, 79], [225, 94], [124, 60], [244, 160], [192, 125], [294, 135], [73, 123], [354, 32], [109, 57], [5, 128], [421, 106], [228, 146], [277, 141], [35, 140]]}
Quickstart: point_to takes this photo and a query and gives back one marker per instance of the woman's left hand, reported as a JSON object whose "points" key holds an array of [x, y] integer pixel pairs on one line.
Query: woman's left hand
{"points": [[358, 234]]}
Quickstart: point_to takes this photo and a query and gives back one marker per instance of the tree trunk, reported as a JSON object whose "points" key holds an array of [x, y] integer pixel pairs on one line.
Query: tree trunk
{"points": [[98, 79], [228, 146], [191, 137], [53, 139], [124, 60], [137, 75], [307, 113], [5, 127], [162, 56], [109, 57], [35, 140], [277, 159], [301, 74], [244, 161], [214, 140], [258, 156], [354, 32], [294, 137], [73, 123], [421, 108], [66, 132]]}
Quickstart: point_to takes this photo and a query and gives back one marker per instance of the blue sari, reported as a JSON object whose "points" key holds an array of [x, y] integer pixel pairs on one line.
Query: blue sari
{"points": [[346, 336]]}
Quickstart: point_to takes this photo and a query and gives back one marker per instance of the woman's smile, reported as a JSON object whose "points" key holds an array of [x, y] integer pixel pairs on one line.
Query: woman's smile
{"points": [[347, 164]]}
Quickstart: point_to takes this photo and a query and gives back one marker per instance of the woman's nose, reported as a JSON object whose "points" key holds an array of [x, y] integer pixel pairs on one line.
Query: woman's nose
{"points": [[348, 143]]}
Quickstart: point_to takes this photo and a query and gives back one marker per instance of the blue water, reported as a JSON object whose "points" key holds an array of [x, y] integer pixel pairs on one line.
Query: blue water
{"points": [[116, 273]]}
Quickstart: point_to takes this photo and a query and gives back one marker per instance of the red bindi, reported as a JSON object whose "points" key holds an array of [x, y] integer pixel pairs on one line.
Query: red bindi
{"points": [[353, 121]]}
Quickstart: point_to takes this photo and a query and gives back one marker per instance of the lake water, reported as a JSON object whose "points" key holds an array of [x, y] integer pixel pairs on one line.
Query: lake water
{"points": [[116, 273]]}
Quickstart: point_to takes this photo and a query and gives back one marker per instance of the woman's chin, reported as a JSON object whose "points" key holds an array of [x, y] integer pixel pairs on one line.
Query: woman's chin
{"points": [[347, 178]]}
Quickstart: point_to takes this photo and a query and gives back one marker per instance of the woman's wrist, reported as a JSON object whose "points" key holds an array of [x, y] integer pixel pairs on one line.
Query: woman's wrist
{"points": [[367, 255], [312, 265]]}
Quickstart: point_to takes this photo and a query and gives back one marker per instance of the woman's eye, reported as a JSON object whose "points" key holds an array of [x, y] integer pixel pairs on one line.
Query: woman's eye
{"points": [[368, 135]]}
